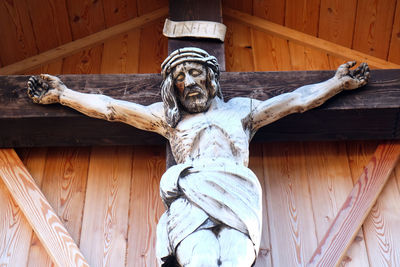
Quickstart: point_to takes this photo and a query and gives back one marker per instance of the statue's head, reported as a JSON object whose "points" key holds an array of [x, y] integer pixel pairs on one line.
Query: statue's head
{"points": [[190, 82]]}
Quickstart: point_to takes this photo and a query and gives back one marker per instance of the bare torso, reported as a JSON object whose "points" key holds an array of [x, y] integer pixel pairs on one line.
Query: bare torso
{"points": [[219, 133]]}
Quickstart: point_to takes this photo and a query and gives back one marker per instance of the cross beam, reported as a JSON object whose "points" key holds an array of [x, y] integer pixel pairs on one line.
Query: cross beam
{"points": [[372, 112]]}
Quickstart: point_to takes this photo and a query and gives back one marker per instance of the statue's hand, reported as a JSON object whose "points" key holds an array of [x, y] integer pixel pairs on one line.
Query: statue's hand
{"points": [[45, 89], [353, 79]]}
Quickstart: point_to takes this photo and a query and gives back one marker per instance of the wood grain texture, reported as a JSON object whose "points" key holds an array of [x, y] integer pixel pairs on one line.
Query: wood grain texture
{"points": [[153, 47], [35, 161], [291, 224], [330, 182], [264, 258], [145, 206], [357, 206], [376, 107], [243, 6], [38, 211], [16, 25], [370, 33], [381, 229], [303, 57], [15, 231], [336, 20], [105, 217], [238, 49], [85, 62], [54, 68], [270, 53], [146, 6], [303, 15], [271, 10], [394, 50], [64, 185], [307, 39], [86, 17], [121, 54], [85, 42], [116, 12], [50, 23]]}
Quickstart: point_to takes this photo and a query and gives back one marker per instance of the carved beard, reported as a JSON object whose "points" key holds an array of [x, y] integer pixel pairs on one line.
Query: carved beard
{"points": [[195, 99]]}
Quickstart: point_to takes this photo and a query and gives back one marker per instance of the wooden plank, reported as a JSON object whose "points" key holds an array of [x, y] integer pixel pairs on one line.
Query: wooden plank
{"points": [[291, 224], [302, 15], [16, 26], [308, 40], [153, 47], [243, 6], [306, 58], [54, 68], [336, 21], [367, 113], [105, 217], [64, 185], [77, 45], [145, 206], [121, 54], [147, 6], [238, 47], [38, 211], [356, 207], [85, 62], [330, 182], [271, 10], [86, 17], [373, 27], [15, 231], [116, 12], [270, 53], [381, 229], [264, 258], [35, 159], [50, 23], [195, 10], [394, 50]]}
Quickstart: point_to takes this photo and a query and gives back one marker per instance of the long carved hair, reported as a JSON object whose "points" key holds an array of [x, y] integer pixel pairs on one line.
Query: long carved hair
{"points": [[172, 106]]}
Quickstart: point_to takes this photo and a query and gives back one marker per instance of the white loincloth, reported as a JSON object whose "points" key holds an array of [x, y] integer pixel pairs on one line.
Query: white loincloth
{"points": [[193, 193]]}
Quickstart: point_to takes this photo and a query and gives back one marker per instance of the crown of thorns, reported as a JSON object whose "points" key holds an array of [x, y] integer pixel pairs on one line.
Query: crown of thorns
{"points": [[186, 54]]}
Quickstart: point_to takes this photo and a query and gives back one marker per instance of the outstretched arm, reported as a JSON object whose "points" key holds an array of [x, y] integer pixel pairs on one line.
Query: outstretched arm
{"points": [[48, 89], [309, 96]]}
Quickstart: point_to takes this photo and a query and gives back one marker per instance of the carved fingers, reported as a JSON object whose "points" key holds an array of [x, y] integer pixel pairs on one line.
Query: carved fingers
{"points": [[353, 79], [45, 89]]}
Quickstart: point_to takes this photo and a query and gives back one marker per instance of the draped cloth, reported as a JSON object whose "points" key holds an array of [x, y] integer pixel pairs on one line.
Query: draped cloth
{"points": [[194, 193]]}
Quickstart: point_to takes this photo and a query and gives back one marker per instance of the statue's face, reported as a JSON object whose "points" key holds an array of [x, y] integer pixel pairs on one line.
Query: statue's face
{"points": [[190, 80]]}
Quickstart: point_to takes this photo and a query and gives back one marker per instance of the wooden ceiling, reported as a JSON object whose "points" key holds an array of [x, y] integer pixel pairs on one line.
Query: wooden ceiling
{"points": [[31, 27]]}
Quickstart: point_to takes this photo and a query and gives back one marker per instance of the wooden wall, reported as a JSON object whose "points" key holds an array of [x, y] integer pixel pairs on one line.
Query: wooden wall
{"points": [[108, 198]]}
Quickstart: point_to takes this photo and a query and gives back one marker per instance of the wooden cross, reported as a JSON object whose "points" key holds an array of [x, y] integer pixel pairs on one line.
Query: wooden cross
{"points": [[372, 113]]}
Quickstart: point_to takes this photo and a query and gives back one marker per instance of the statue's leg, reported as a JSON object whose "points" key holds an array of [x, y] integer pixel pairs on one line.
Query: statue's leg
{"points": [[199, 249], [236, 248]]}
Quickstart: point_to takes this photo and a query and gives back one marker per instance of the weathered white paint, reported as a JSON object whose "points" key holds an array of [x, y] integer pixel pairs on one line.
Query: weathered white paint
{"points": [[213, 200]]}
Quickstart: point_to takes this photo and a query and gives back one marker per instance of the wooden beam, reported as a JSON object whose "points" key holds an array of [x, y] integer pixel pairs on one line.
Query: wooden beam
{"points": [[43, 219], [308, 40], [77, 45], [350, 217], [209, 10], [371, 112]]}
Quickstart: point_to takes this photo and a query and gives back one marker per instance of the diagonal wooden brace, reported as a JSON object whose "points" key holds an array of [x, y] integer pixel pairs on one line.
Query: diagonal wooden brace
{"points": [[357, 206], [40, 215]]}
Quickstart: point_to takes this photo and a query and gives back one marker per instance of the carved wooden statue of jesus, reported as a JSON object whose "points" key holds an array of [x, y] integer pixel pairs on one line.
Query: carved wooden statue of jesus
{"points": [[213, 200]]}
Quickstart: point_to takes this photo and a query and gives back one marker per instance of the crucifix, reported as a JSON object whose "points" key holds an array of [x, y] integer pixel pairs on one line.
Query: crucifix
{"points": [[213, 200], [207, 102]]}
